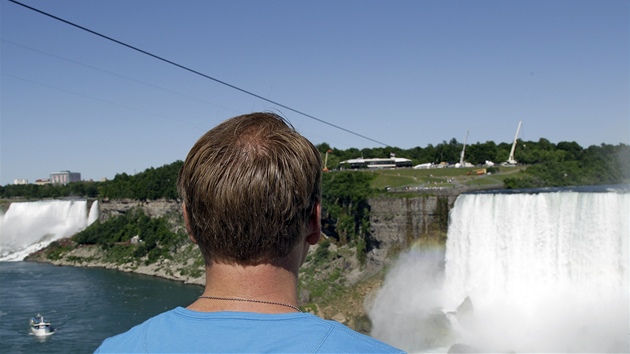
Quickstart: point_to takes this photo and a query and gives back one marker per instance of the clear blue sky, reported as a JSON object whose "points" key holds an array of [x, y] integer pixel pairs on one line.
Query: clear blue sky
{"points": [[405, 73]]}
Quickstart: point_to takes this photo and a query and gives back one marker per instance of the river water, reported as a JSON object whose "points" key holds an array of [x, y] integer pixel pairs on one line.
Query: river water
{"points": [[85, 305]]}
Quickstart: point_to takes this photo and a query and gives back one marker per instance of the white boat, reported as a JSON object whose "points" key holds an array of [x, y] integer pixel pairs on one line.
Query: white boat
{"points": [[40, 327]]}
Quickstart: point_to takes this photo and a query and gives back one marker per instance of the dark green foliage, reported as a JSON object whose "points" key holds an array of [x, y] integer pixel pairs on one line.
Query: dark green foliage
{"points": [[346, 212], [492, 169], [56, 249], [478, 154], [569, 165], [321, 277], [119, 253], [152, 184], [33, 191], [448, 152], [115, 234], [526, 181], [322, 254]]}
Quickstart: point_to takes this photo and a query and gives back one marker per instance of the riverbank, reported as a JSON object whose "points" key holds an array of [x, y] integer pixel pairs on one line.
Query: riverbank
{"points": [[183, 267]]}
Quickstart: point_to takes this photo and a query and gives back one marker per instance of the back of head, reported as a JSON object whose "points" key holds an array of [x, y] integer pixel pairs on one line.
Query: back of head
{"points": [[250, 186]]}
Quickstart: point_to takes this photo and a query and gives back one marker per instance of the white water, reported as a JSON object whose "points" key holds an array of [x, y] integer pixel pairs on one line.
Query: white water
{"points": [[545, 272], [30, 226]]}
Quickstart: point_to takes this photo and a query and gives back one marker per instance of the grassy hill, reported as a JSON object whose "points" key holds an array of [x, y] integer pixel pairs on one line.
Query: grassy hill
{"points": [[442, 177]]}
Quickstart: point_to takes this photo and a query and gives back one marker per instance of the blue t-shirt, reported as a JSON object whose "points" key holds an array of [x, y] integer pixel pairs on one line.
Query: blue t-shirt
{"points": [[185, 331]]}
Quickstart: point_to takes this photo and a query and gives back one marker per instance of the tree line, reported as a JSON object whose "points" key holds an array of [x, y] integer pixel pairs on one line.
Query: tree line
{"points": [[570, 165], [549, 165], [526, 152], [151, 184]]}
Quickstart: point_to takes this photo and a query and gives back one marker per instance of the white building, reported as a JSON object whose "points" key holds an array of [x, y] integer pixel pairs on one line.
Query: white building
{"points": [[64, 177], [392, 162], [424, 166]]}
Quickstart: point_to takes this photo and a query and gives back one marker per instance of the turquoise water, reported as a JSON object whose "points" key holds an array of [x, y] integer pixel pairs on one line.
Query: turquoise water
{"points": [[85, 305]]}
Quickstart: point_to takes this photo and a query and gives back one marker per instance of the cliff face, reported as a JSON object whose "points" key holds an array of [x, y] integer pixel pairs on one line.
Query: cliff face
{"points": [[397, 223], [154, 208]]}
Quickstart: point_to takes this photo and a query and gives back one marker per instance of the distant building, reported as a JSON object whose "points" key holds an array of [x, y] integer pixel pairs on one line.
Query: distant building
{"points": [[42, 181], [392, 162], [64, 177], [20, 181]]}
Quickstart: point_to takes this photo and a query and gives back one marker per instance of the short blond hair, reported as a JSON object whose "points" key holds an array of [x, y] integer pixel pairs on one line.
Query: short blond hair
{"points": [[250, 187]]}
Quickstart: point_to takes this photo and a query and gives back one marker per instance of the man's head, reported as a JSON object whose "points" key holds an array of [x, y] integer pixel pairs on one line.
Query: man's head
{"points": [[250, 186]]}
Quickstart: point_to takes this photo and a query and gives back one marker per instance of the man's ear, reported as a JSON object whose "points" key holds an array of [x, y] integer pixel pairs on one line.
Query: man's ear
{"points": [[315, 226], [187, 223]]}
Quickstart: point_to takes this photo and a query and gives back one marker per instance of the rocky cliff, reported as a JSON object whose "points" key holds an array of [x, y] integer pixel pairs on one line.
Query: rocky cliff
{"points": [[396, 223], [155, 208], [399, 222]]}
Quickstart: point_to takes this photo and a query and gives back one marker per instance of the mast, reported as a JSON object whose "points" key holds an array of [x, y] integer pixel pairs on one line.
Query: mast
{"points": [[461, 158], [511, 159]]}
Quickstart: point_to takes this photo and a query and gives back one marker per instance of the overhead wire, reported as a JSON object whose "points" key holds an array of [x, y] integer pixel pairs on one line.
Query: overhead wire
{"points": [[195, 72], [117, 75]]}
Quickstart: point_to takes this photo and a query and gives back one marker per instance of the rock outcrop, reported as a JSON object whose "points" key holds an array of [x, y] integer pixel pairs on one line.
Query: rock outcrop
{"points": [[398, 222], [153, 208]]}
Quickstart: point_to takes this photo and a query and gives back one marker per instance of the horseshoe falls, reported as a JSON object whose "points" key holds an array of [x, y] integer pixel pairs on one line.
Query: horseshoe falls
{"points": [[524, 271], [27, 227]]}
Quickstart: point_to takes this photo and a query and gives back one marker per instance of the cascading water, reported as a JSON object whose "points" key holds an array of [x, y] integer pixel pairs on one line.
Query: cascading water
{"points": [[524, 272], [29, 226], [94, 214]]}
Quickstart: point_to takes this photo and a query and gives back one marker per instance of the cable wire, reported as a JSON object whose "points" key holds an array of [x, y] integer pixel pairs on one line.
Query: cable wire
{"points": [[195, 72]]}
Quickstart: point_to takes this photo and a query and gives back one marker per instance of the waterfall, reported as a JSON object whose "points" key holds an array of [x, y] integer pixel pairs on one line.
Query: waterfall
{"points": [[27, 227], [94, 213], [524, 272]]}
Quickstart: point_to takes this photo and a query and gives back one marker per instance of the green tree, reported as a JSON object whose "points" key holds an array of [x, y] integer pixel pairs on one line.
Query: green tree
{"points": [[345, 208]]}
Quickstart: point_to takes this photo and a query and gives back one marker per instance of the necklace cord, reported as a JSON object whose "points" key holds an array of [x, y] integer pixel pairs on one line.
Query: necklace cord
{"points": [[249, 300]]}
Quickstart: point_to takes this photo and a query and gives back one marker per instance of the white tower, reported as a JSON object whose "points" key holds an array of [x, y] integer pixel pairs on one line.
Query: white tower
{"points": [[511, 160]]}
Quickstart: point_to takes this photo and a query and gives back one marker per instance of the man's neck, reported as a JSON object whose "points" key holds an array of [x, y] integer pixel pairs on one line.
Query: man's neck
{"points": [[265, 283]]}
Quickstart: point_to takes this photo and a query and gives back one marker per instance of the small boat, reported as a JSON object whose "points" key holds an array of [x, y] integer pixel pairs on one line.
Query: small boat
{"points": [[40, 327]]}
